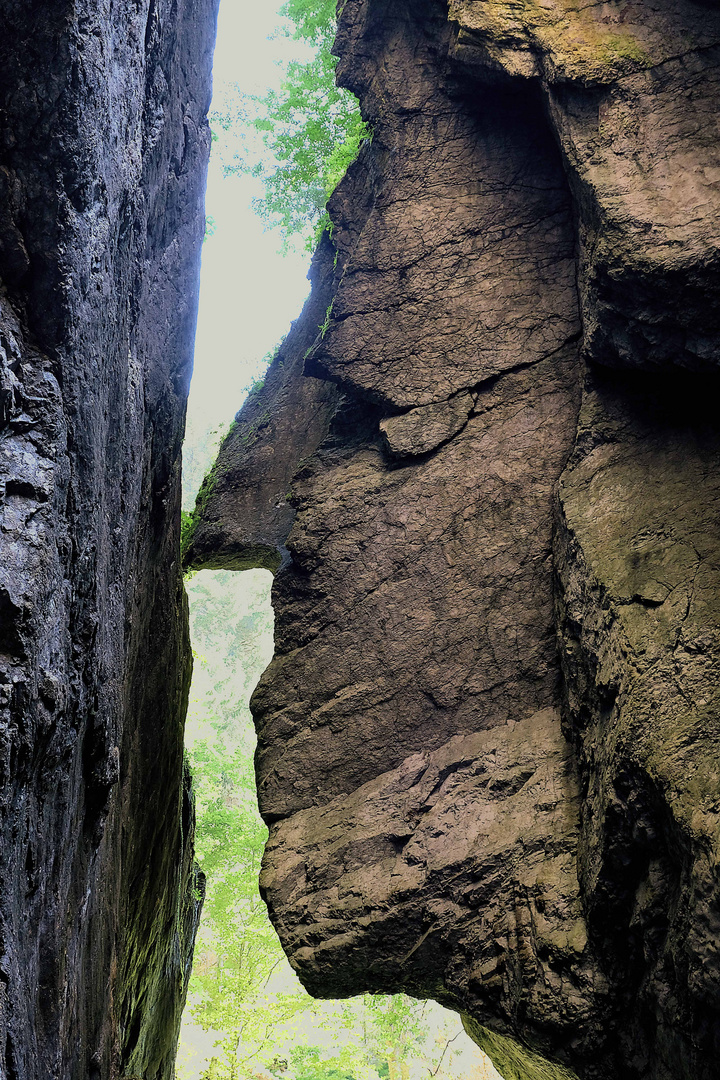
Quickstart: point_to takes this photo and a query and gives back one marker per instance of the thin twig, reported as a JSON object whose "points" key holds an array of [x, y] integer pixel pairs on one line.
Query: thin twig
{"points": [[434, 1072]]}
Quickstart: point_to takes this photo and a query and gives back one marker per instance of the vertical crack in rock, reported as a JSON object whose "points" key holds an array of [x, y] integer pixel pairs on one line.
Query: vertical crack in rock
{"points": [[487, 740], [103, 150]]}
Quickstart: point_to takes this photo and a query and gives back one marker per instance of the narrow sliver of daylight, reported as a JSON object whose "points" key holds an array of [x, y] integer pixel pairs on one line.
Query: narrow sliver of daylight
{"points": [[247, 1015]]}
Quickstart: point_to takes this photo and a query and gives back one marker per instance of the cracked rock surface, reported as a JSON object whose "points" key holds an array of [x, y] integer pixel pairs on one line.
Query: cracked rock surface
{"points": [[486, 469], [103, 149]]}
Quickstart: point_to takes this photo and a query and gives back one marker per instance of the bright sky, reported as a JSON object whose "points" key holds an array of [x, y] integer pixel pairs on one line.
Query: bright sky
{"points": [[249, 293]]}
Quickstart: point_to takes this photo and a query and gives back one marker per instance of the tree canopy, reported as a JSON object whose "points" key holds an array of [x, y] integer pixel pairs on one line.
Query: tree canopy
{"points": [[300, 138], [242, 989]]}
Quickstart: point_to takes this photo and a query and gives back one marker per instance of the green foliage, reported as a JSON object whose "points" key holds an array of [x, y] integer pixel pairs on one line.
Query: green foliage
{"points": [[310, 130], [231, 627], [307, 1063], [256, 385], [242, 988], [395, 1026], [324, 326], [199, 452], [188, 522], [237, 949], [189, 518]]}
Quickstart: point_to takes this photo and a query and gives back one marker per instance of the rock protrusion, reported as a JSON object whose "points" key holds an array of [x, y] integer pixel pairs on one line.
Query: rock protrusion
{"points": [[487, 741]]}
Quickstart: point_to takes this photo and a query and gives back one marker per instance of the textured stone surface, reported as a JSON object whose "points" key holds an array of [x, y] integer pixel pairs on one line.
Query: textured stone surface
{"points": [[244, 511], [488, 738], [452, 875], [638, 556], [103, 146], [424, 609], [632, 91]]}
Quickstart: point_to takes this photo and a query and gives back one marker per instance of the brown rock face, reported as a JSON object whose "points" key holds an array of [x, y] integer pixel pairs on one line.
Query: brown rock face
{"points": [[103, 147], [488, 739]]}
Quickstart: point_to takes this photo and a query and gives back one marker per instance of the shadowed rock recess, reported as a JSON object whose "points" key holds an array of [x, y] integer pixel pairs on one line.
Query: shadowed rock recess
{"points": [[485, 466], [103, 151]]}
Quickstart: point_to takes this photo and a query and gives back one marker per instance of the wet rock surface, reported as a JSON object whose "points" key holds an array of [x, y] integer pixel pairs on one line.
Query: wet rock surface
{"points": [[488, 738], [103, 148]]}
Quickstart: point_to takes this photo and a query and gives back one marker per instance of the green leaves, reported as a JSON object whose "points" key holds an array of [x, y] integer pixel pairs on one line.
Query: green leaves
{"points": [[242, 988], [314, 20], [237, 949], [309, 129]]}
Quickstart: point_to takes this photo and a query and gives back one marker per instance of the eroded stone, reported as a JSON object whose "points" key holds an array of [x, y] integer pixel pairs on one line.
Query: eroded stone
{"points": [[453, 811]]}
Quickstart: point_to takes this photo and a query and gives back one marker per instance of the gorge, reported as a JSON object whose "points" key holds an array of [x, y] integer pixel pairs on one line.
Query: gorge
{"points": [[483, 467]]}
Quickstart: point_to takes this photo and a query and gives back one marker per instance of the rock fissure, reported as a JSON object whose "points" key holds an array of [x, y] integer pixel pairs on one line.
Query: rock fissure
{"points": [[497, 633], [484, 469]]}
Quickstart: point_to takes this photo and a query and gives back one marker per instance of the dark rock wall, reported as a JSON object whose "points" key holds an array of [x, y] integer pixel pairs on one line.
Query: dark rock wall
{"points": [[637, 549], [103, 149], [488, 740]]}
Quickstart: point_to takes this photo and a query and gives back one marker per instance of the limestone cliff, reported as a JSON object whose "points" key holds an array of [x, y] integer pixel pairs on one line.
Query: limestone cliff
{"points": [[103, 149], [486, 465]]}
